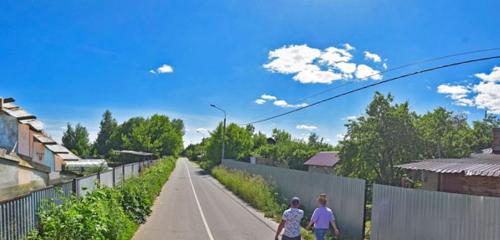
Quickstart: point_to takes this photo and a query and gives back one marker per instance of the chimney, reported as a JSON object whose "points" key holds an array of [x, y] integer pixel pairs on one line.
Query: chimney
{"points": [[496, 141]]}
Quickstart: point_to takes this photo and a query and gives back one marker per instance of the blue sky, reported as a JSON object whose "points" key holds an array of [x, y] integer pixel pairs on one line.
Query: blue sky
{"points": [[68, 61]]}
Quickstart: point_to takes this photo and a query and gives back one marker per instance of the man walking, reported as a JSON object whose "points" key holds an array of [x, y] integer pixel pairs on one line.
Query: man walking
{"points": [[291, 221]]}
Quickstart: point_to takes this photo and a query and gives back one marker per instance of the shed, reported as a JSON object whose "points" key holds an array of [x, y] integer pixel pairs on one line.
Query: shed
{"points": [[478, 174], [323, 162]]}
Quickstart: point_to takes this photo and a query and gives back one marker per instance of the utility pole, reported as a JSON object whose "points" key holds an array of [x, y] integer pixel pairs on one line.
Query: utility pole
{"points": [[223, 129]]}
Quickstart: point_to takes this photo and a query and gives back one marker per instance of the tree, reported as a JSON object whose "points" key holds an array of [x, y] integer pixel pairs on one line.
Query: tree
{"points": [[108, 126], [482, 132], [376, 143], [77, 140], [444, 135], [238, 143]]}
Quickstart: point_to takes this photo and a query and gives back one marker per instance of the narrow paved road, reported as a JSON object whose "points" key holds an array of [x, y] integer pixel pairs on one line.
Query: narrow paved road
{"points": [[193, 205]]}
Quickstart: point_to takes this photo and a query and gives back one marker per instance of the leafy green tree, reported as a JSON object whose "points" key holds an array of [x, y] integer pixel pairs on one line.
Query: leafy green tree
{"points": [[108, 126], [375, 143], [444, 135], [238, 143], [77, 140], [482, 132]]}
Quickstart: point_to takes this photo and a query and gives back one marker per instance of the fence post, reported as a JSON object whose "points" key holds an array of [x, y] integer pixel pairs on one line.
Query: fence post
{"points": [[75, 187], [99, 177], [123, 172], [114, 180]]}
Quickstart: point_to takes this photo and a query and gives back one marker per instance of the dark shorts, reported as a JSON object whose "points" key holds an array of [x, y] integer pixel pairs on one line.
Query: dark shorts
{"points": [[289, 238]]}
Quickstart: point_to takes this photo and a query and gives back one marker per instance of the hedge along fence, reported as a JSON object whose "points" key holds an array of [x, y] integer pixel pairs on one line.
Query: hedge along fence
{"points": [[105, 213]]}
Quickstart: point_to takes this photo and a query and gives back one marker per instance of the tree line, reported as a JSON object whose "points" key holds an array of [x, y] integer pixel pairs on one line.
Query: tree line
{"points": [[157, 134], [388, 134]]}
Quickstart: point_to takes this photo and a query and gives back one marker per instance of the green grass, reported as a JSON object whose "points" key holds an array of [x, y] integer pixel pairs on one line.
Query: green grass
{"points": [[106, 213], [256, 191]]}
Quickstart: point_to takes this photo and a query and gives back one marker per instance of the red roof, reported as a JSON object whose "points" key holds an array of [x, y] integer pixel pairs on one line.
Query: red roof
{"points": [[323, 159]]}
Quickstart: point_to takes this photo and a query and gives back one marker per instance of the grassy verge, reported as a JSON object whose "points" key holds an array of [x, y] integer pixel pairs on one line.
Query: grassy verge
{"points": [[106, 213], [256, 191]]}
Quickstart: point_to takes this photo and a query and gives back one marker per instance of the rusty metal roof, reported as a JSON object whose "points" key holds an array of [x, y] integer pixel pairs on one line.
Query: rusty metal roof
{"points": [[477, 165], [324, 159]]}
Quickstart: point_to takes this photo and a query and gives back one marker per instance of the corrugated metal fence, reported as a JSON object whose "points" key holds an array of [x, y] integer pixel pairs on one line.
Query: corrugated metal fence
{"points": [[401, 213], [346, 195], [18, 215]]}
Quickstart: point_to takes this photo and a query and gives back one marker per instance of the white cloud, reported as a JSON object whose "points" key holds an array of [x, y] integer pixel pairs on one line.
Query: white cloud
{"points": [[456, 92], [372, 56], [268, 97], [292, 59], [165, 68], [384, 65], [306, 127], [312, 65], [488, 96], [202, 130], [340, 136], [348, 47], [364, 72], [260, 101], [494, 76], [284, 104], [484, 95]]}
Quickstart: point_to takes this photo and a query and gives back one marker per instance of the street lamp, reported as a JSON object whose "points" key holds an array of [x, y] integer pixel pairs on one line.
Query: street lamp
{"points": [[223, 129]]}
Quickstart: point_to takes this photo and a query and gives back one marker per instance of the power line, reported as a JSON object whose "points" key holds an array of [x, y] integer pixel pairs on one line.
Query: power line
{"points": [[417, 62], [376, 84]]}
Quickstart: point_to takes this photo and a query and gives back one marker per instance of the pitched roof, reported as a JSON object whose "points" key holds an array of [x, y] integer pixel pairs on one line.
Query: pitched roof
{"points": [[476, 165], [68, 156], [323, 159], [56, 148], [44, 139]]}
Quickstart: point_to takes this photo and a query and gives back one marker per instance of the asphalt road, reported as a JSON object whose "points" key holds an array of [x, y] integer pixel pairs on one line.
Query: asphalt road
{"points": [[193, 205]]}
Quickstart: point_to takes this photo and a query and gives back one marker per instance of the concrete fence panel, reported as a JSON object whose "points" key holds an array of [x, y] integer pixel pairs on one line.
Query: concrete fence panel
{"points": [[402, 213], [346, 195]]}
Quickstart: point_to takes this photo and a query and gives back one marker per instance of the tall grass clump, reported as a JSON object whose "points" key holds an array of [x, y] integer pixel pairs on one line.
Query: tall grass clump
{"points": [[251, 188], [106, 213]]}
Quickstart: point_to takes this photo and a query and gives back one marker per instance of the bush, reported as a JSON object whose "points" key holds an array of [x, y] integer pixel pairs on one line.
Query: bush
{"points": [[106, 213]]}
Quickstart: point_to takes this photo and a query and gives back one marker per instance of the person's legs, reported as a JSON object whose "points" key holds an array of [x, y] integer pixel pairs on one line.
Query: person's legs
{"points": [[320, 233]]}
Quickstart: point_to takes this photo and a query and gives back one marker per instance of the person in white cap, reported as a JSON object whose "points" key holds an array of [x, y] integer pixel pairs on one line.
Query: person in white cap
{"points": [[291, 221]]}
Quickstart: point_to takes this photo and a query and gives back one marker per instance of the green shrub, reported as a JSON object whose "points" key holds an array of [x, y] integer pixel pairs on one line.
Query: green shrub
{"points": [[106, 213]]}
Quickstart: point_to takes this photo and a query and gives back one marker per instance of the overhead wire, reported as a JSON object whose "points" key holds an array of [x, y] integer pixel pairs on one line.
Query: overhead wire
{"points": [[376, 84]]}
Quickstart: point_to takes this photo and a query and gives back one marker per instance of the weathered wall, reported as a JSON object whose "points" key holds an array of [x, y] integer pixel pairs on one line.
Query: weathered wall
{"points": [[23, 144], [15, 180], [477, 185], [324, 170], [37, 152], [49, 159], [8, 131], [430, 181]]}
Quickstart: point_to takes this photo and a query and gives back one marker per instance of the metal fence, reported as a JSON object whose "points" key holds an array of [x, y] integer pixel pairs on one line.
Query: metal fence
{"points": [[401, 213], [18, 215], [346, 195]]}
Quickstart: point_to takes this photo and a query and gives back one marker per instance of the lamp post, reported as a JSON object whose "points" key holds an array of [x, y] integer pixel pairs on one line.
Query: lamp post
{"points": [[223, 129]]}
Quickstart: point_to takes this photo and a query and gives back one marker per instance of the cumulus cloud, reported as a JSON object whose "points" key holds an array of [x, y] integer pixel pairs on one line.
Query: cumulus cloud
{"points": [[306, 127], [324, 66], [260, 101], [165, 68], [494, 76], [372, 56], [284, 104], [483, 95], [268, 97], [364, 72]]}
